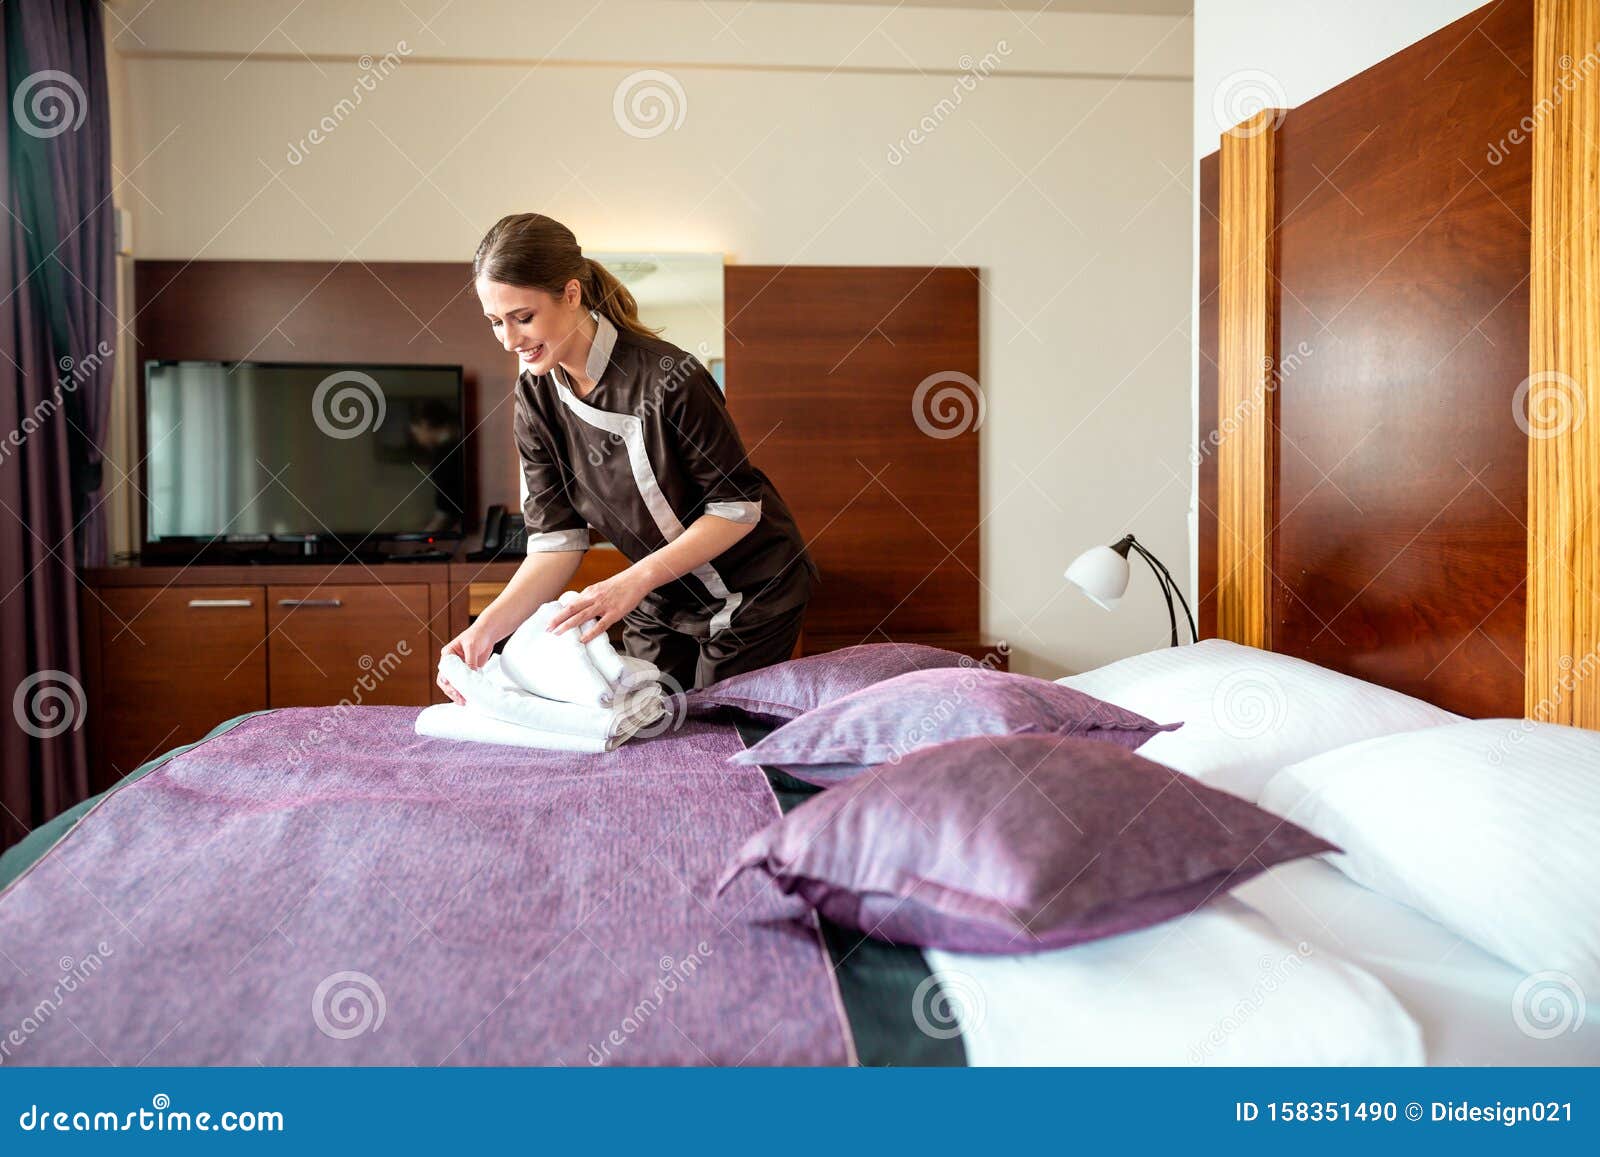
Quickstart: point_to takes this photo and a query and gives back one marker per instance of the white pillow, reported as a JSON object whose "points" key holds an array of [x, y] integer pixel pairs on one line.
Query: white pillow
{"points": [[1246, 713], [1487, 826]]}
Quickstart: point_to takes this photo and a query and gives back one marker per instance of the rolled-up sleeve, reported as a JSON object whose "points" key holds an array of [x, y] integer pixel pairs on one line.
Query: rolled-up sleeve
{"points": [[552, 522], [711, 451]]}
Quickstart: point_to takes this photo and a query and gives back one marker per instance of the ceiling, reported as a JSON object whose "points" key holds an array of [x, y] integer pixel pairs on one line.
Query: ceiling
{"points": [[1117, 7]]}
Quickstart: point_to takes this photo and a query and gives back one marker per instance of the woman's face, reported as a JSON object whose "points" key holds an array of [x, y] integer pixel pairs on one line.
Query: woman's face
{"points": [[539, 328]]}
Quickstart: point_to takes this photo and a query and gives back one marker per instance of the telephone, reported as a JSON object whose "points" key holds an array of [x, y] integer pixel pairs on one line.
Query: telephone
{"points": [[503, 534]]}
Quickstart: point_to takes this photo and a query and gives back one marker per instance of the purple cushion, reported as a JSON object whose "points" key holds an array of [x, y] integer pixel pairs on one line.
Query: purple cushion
{"points": [[790, 689], [887, 721], [1017, 843]]}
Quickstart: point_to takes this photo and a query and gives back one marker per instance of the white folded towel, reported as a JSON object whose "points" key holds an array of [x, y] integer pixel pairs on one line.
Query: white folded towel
{"points": [[498, 711], [491, 692], [549, 691], [452, 721], [560, 667]]}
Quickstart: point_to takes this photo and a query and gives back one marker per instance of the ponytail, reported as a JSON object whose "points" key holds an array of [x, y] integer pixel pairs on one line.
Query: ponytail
{"points": [[533, 251], [605, 293]]}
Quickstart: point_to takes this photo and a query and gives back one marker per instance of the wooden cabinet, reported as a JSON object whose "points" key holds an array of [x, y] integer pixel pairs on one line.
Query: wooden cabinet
{"points": [[170, 652], [164, 644], [369, 644]]}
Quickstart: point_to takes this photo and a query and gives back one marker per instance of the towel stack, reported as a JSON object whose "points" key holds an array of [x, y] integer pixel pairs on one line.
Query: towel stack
{"points": [[551, 691]]}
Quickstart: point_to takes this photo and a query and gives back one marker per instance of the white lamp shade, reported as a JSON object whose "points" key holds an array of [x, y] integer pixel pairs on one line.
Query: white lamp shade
{"points": [[1101, 573]]}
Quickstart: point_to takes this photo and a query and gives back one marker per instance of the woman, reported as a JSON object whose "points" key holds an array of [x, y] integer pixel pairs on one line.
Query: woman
{"points": [[619, 430]]}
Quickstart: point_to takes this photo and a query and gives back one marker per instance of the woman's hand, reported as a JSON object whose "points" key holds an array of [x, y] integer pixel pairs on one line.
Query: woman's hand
{"points": [[473, 648], [606, 601]]}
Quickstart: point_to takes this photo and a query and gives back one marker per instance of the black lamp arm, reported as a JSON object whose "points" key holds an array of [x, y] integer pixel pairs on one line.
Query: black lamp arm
{"points": [[1169, 587], [1177, 590]]}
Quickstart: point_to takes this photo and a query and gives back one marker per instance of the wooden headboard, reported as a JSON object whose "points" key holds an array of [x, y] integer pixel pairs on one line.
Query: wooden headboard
{"points": [[1393, 298]]}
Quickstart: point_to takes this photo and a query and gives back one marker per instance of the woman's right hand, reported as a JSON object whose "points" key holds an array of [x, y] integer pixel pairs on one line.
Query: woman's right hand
{"points": [[472, 648]]}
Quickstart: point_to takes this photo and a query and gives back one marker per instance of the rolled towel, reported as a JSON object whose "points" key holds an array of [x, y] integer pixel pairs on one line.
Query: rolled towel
{"points": [[490, 692], [562, 668], [451, 721]]}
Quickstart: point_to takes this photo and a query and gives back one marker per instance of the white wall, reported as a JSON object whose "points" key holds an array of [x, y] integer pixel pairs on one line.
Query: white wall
{"points": [[1296, 49], [1063, 176], [1251, 53]]}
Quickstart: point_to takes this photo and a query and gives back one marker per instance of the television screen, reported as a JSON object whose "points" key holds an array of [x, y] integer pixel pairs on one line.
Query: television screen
{"points": [[272, 448]]}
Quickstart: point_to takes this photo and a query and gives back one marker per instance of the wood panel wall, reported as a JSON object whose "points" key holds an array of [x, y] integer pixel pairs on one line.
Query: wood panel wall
{"points": [[1247, 344], [824, 365], [1400, 552], [309, 311], [847, 384], [1560, 404]]}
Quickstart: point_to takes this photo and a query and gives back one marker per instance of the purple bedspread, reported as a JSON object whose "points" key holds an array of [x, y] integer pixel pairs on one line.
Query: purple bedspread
{"points": [[386, 899]]}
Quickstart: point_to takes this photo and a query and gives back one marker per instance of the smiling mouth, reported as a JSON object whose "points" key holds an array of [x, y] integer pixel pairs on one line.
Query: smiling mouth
{"points": [[530, 355]]}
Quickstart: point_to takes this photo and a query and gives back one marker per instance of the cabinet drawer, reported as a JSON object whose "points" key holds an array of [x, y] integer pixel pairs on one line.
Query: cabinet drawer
{"points": [[367, 644], [174, 663]]}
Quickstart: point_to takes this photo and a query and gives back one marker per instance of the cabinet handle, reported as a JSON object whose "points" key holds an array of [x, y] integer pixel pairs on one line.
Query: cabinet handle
{"points": [[311, 602], [203, 603]]}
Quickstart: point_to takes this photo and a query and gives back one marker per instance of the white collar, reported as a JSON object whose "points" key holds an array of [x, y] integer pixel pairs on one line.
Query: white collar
{"points": [[605, 340]]}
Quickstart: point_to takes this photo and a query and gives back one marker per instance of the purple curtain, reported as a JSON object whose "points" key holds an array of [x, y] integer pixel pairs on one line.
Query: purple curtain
{"points": [[58, 335]]}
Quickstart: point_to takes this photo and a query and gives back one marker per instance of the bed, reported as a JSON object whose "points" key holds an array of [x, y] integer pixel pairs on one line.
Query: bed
{"points": [[401, 900], [396, 900], [411, 901]]}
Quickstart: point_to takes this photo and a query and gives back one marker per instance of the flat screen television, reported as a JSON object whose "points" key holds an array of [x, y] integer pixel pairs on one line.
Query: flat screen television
{"points": [[249, 457]]}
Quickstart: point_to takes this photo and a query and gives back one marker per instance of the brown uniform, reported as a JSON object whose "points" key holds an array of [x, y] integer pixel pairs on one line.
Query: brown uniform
{"points": [[646, 452]]}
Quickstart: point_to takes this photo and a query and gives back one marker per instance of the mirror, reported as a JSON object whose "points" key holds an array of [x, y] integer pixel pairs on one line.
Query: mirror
{"points": [[681, 295]]}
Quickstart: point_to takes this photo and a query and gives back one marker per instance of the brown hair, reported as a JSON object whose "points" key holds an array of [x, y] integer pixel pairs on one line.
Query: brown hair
{"points": [[533, 251]]}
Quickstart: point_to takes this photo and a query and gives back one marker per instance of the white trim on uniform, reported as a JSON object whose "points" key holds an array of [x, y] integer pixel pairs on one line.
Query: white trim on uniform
{"points": [[630, 428], [555, 540], [736, 511], [605, 340]]}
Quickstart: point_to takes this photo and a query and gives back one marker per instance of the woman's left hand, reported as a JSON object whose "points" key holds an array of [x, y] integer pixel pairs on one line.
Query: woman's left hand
{"points": [[606, 601]]}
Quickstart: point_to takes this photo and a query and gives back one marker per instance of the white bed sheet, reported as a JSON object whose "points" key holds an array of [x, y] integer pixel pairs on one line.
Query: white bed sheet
{"points": [[1300, 966], [1473, 1008], [1221, 986]]}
